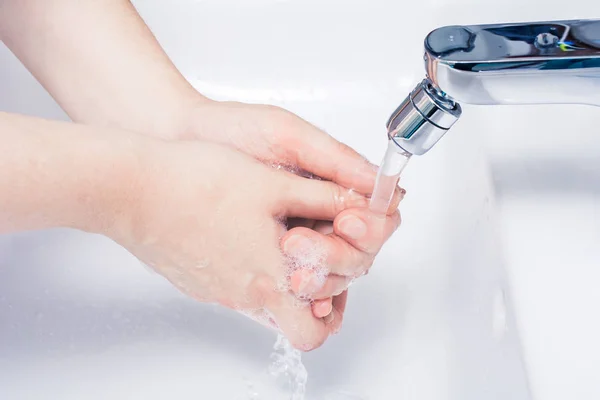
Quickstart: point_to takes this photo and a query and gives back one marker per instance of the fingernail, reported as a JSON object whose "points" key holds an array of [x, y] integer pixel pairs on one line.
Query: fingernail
{"points": [[297, 245], [353, 227], [324, 308], [402, 193]]}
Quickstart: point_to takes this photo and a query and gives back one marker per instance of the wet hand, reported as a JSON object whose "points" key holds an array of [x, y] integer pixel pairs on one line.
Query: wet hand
{"points": [[278, 137], [347, 250], [208, 219]]}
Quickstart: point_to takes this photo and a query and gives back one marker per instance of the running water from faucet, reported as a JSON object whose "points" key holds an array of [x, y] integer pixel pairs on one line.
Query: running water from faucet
{"points": [[391, 168]]}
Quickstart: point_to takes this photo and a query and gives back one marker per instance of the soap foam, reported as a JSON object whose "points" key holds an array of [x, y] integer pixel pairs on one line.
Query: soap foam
{"points": [[312, 260]]}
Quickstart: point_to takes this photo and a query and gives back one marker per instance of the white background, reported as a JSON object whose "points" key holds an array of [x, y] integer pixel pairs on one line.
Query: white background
{"points": [[488, 291]]}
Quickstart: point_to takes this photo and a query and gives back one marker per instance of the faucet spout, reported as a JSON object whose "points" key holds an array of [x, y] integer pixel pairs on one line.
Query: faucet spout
{"points": [[520, 63], [422, 119]]}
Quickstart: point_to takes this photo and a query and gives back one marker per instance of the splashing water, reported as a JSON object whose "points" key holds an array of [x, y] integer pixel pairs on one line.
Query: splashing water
{"points": [[393, 164], [290, 376], [287, 366]]}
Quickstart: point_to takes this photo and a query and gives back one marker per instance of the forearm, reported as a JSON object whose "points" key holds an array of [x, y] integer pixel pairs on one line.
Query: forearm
{"points": [[57, 174], [99, 61]]}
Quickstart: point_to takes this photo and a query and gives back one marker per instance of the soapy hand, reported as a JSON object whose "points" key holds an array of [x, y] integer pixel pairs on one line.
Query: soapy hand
{"points": [[348, 243], [208, 218]]}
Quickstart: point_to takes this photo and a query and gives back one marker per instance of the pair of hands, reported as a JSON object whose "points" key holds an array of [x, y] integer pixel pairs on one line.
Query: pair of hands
{"points": [[207, 210], [222, 224]]}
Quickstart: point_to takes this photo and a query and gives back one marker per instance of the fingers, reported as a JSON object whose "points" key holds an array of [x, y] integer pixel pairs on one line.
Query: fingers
{"points": [[317, 152], [323, 255], [339, 302], [359, 235], [335, 318], [331, 310], [365, 230], [307, 283], [334, 286], [322, 308], [398, 196]]}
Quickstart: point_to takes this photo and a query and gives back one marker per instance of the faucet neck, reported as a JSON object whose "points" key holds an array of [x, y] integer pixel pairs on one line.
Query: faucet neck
{"points": [[526, 63]]}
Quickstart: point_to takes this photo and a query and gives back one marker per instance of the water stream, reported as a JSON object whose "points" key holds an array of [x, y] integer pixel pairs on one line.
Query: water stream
{"points": [[391, 168]]}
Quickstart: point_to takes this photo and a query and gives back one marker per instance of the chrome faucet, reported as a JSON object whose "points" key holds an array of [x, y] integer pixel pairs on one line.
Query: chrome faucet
{"points": [[522, 63]]}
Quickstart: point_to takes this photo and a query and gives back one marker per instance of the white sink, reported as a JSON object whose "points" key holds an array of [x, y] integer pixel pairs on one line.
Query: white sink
{"points": [[486, 292], [548, 194]]}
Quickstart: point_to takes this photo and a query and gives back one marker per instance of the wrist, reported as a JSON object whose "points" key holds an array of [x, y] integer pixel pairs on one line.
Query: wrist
{"points": [[184, 121], [173, 117], [113, 200], [99, 194], [57, 174]]}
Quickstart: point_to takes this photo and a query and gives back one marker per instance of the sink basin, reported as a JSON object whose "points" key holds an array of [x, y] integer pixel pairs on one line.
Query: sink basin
{"points": [[466, 301], [548, 194]]}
